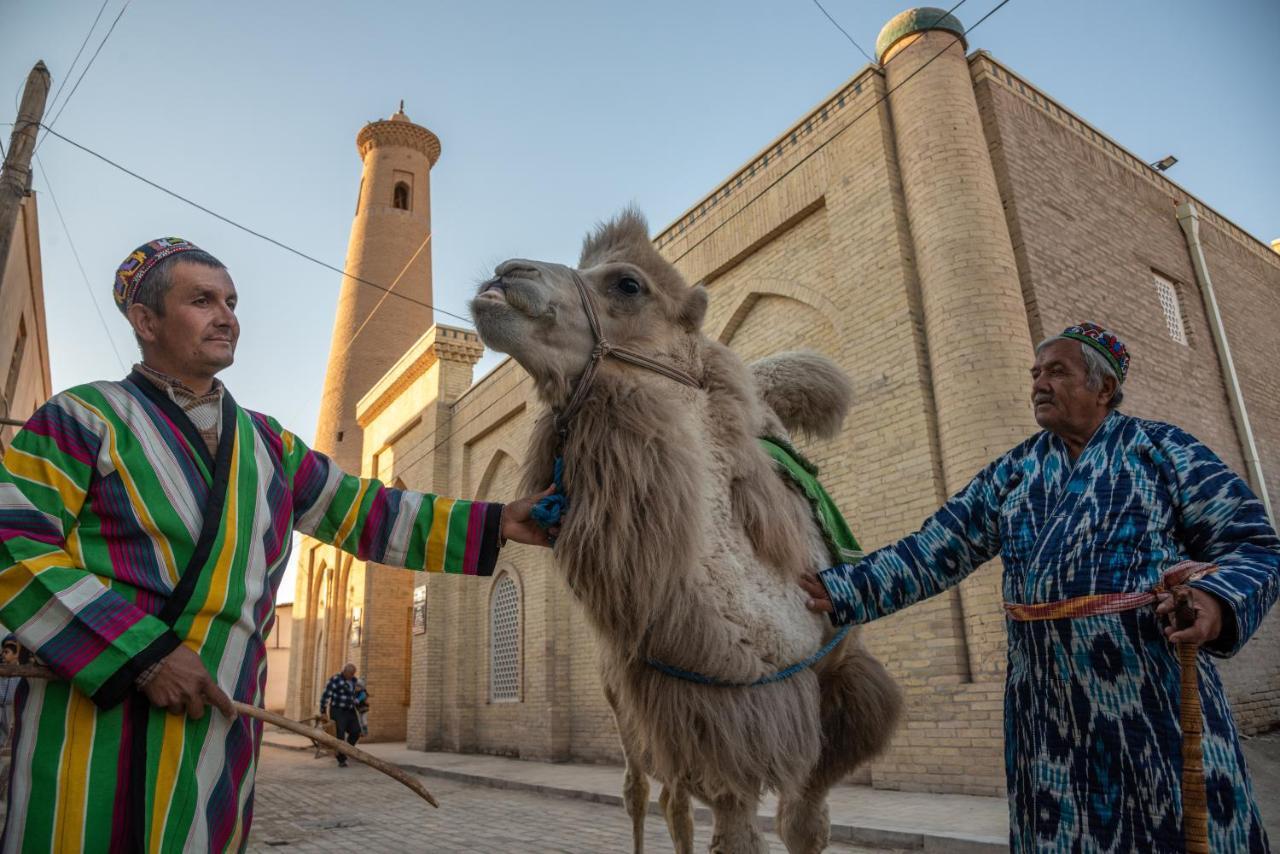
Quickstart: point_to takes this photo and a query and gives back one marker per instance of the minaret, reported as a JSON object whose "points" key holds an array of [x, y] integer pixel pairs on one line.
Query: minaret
{"points": [[390, 246]]}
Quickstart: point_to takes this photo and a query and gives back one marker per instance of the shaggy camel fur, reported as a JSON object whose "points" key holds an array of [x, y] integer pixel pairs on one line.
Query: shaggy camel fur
{"points": [[683, 544]]}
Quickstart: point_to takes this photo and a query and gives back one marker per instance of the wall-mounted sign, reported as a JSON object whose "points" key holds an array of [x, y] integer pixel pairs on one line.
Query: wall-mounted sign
{"points": [[420, 610]]}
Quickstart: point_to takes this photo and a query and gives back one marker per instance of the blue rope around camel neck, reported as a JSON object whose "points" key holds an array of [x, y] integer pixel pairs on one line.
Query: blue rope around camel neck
{"points": [[779, 676], [549, 512]]}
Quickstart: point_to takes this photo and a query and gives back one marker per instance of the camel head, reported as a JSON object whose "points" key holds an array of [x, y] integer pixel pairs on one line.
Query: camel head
{"points": [[532, 310]]}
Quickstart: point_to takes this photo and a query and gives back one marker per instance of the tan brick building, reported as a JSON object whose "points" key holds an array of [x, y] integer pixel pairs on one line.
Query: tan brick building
{"points": [[24, 341], [923, 226]]}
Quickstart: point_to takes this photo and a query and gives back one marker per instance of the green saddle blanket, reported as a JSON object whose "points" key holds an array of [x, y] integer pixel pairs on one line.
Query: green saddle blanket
{"points": [[841, 543]]}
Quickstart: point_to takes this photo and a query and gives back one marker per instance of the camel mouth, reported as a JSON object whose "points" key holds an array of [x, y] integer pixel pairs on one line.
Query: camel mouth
{"points": [[494, 291]]}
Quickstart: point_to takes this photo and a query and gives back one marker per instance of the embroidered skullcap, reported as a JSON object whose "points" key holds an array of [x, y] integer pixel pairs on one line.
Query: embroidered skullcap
{"points": [[141, 261], [1105, 342]]}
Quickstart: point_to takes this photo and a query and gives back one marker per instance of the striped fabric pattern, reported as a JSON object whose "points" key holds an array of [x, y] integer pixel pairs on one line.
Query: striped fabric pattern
{"points": [[1093, 738], [102, 500]]}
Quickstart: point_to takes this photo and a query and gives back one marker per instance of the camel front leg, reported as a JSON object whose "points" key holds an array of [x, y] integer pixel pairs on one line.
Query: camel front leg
{"points": [[735, 827], [635, 784], [803, 821], [678, 810], [635, 794]]}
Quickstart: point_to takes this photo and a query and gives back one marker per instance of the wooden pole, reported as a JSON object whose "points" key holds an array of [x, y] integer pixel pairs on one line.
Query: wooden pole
{"points": [[15, 177], [32, 671], [1195, 801]]}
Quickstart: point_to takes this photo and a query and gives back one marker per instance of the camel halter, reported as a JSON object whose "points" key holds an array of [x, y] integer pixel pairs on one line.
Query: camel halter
{"points": [[548, 511], [602, 349]]}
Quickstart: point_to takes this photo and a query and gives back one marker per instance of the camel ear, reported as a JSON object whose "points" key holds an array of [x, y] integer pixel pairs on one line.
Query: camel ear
{"points": [[694, 309]]}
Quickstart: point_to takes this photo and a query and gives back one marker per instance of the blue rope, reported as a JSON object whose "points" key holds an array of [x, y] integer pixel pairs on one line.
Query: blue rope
{"points": [[548, 512], [780, 676]]}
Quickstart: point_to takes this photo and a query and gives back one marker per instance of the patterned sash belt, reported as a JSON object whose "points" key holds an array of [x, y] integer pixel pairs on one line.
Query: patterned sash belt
{"points": [[1195, 810]]}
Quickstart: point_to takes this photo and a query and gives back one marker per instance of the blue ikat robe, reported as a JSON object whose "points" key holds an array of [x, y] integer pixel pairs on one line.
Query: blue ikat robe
{"points": [[1092, 736]]}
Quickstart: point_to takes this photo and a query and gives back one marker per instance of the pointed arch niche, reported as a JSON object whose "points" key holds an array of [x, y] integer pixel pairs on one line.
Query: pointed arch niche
{"points": [[762, 308], [500, 478]]}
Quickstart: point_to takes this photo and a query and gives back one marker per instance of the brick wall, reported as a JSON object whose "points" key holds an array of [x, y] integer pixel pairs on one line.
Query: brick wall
{"points": [[1092, 225]]}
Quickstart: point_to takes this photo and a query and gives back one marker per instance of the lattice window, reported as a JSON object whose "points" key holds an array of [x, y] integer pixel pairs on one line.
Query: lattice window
{"points": [[504, 641], [1168, 294]]}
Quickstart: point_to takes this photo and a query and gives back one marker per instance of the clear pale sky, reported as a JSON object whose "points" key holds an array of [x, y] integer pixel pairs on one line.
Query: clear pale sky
{"points": [[551, 116]]}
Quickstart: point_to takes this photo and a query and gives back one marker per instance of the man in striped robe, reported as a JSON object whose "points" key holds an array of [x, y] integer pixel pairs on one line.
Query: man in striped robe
{"points": [[144, 528]]}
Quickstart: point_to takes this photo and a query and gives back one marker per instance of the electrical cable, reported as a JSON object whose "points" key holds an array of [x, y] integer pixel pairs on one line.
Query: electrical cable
{"points": [[835, 136], [246, 228], [72, 67], [836, 24], [88, 65], [75, 254]]}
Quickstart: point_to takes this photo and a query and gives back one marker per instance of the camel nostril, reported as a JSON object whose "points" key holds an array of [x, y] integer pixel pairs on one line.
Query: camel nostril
{"points": [[522, 269]]}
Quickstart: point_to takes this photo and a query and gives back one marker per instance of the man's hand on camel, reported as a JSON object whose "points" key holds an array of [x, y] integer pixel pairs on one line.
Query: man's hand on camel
{"points": [[518, 524], [819, 601], [182, 685]]}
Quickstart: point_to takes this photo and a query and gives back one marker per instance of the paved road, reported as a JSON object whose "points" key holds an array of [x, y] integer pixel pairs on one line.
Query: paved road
{"points": [[309, 805]]}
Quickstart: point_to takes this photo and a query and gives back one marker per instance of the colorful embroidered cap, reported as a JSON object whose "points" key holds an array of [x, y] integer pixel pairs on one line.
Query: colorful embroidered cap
{"points": [[1105, 342], [141, 261]]}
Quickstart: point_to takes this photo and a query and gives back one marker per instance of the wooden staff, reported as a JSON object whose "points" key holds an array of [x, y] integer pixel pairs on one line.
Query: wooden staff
{"points": [[1195, 801], [31, 671]]}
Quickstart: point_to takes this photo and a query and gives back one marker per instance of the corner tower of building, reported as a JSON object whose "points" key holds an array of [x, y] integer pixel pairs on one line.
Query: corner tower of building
{"points": [[390, 246], [978, 336]]}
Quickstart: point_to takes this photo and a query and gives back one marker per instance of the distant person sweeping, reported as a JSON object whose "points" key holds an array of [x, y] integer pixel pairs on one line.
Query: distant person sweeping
{"points": [[145, 524], [341, 704]]}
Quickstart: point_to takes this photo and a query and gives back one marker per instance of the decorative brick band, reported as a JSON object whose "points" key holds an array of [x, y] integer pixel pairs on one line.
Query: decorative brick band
{"points": [[398, 133], [772, 155], [983, 65]]}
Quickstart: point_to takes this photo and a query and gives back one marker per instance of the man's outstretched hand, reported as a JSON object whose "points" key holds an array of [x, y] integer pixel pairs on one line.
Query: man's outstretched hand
{"points": [[182, 685], [518, 524], [819, 600]]}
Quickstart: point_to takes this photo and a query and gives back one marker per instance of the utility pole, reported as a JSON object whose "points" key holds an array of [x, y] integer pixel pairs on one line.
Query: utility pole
{"points": [[15, 179]]}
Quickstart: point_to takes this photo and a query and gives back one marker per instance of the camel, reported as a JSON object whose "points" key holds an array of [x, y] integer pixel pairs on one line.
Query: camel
{"points": [[683, 544]]}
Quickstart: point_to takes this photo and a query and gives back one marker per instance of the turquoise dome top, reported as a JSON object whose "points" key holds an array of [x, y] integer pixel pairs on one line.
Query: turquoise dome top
{"points": [[916, 21]]}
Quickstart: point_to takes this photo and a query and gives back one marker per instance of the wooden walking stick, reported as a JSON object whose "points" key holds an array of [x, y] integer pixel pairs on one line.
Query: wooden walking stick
{"points": [[31, 671], [1195, 801]]}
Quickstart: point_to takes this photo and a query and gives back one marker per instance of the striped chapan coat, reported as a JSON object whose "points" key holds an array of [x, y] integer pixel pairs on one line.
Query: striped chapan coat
{"points": [[122, 536]]}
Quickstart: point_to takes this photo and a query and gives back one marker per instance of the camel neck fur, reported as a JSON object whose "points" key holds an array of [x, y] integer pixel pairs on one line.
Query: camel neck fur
{"points": [[647, 462]]}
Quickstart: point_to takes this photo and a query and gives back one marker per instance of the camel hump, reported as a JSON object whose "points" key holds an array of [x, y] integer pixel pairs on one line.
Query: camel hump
{"points": [[808, 392]]}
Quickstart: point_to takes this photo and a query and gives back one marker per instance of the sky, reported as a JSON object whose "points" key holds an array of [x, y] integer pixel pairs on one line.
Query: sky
{"points": [[551, 116]]}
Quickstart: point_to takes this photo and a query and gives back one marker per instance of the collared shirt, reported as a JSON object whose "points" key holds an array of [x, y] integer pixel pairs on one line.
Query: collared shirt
{"points": [[340, 693], [204, 410]]}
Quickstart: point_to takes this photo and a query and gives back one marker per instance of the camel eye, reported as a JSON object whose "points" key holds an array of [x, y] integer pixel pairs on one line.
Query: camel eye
{"points": [[629, 287]]}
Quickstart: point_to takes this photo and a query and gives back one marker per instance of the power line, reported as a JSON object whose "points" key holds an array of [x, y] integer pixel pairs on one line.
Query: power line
{"points": [[855, 120], [390, 289], [403, 467], [836, 24], [246, 228], [58, 209], [88, 65], [526, 378], [72, 67]]}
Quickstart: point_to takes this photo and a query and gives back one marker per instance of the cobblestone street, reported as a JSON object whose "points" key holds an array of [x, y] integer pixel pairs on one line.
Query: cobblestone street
{"points": [[307, 804]]}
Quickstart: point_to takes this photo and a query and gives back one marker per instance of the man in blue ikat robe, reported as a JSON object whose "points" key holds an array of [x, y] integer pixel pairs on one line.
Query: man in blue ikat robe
{"points": [[1087, 515]]}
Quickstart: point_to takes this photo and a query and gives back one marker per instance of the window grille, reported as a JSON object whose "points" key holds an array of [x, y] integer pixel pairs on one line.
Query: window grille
{"points": [[1168, 294], [504, 641]]}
